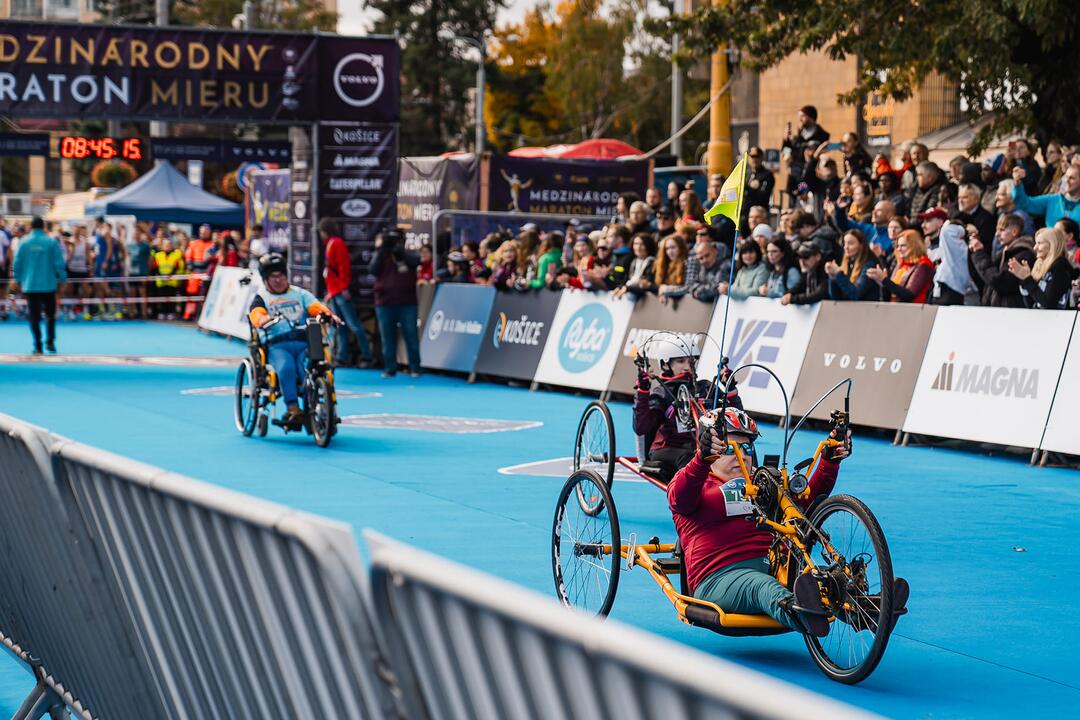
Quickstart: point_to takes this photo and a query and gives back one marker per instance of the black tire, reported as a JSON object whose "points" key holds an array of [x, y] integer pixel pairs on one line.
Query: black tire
{"points": [[856, 641], [578, 565], [264, 424], [320, 409], [246, 398], [594, 449]]}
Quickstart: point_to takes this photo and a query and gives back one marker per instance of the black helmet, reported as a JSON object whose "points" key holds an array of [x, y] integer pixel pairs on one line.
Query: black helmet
{"points": [[270, 263]]}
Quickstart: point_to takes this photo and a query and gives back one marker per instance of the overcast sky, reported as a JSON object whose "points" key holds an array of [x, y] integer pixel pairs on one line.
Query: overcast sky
{"points": [[354, 21]]}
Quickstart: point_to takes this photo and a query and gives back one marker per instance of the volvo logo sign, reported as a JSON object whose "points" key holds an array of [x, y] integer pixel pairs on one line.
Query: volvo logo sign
{"points": [[358, 79]]}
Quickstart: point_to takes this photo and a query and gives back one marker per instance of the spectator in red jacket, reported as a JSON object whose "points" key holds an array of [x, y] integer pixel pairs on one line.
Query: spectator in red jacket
{"points": [[338, 275]]}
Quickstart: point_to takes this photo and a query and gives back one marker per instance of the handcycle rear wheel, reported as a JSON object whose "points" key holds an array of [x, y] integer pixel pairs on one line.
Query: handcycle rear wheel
{"points": [[320, 409], [861, 590], [585, 558], [594, 449], [246, 398]]}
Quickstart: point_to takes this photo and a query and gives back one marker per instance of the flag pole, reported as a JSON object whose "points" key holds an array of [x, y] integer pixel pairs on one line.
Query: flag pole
{"points": [[731, 279]]}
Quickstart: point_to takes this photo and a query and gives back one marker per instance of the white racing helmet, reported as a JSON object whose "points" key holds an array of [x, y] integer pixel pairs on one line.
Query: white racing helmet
{"points": [[667, 346]]}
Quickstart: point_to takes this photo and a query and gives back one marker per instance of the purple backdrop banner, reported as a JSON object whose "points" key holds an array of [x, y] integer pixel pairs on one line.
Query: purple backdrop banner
{"points": [[136, 72], [568, 187]]}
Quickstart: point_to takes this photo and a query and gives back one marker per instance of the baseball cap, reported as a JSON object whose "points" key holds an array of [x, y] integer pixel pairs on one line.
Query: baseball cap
{"points": [[755, 152], [529, 227], [666, 212], [934, 213], [802, 189], [808, 249]]}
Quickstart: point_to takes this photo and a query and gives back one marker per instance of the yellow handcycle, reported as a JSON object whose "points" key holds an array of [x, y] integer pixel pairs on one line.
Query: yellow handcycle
{"points": [[837, 540]]}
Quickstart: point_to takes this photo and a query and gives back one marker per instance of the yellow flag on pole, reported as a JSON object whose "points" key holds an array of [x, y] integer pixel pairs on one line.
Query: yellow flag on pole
{"points": [[729, 202]]}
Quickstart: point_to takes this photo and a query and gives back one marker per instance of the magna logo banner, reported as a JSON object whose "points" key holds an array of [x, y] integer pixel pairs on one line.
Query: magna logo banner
{"points": [[585, 340], [880, 347], [517, 333], [989, 375], [455, 327]]}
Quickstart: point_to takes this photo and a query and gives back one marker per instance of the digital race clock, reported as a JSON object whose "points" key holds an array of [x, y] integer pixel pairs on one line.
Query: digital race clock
{"points": [[78, 148]]}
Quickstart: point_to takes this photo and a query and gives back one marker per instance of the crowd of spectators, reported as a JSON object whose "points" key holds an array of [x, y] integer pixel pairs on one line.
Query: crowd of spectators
{"points": [[848, 226], [117, 271]]}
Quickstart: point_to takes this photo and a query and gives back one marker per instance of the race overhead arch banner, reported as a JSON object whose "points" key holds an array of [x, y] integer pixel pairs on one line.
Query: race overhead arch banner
{"points": [[200, 74], [455, 326], [585, 340], [1062, 430], [762, 331], [879, 346], [989, 374]]}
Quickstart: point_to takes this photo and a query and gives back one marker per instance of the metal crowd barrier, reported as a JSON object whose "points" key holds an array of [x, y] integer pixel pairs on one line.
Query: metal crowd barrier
{"points": [[138, 593], [131, 592], [481, 648]]}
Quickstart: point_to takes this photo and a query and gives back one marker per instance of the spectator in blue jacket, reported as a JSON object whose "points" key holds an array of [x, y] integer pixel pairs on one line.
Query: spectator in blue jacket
{"points": [[848, 280], [38, 268], [1051, 207], [876, 231], [783, 271]]}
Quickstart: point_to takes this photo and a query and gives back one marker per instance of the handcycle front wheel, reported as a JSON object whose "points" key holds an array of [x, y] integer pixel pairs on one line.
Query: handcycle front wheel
{"points": [[320, 410], [585, 547], [860, 589], [594, 449], [246, 398]]}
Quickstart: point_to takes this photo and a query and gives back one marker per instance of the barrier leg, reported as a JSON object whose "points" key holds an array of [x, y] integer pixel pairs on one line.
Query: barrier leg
{"points": [[41, 701]]}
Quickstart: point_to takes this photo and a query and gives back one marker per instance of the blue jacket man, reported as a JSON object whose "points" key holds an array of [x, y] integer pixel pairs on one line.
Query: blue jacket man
{"points": [[38, 268], [876, 231]]}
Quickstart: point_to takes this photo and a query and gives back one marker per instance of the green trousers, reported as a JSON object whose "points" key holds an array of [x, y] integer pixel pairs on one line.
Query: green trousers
{"points": [[747, 587]]}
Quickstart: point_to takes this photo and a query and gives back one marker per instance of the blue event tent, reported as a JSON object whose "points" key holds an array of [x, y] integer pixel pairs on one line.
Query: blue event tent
{"points": [[164, 195]]}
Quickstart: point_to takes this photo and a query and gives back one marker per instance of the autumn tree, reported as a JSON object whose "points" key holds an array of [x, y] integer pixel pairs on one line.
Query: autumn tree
{"points": [[269, 14], [437, 71], [1014, 58]]}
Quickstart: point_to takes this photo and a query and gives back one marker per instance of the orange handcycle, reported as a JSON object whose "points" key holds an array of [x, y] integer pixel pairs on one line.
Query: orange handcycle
{"points": [[837, 540]]}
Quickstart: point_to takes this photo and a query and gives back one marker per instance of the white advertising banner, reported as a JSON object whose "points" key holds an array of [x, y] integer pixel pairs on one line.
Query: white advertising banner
{"points": [[762, 331], [585, 340], [227, 301], [989, 374], [1062, 429]]}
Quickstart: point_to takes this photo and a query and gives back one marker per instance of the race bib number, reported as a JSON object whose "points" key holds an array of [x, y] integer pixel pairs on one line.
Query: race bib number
{"points": [[735, 500], [289, 307]]}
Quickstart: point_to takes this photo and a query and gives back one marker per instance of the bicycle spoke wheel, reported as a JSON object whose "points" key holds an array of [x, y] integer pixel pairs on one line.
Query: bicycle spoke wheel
{"points": [[585, 555], [246, 398], [320, 410], [858, 586], [594, 449]]}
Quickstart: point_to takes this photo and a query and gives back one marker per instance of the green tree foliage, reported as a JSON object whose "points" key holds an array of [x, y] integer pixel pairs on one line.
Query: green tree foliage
{"points": [[1015, 58], [437, 71]]}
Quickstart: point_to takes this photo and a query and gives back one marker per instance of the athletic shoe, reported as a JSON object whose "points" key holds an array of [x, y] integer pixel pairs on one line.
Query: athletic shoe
{"points": [[37, 351], [51, 347], [363, 364], [414, 373], [388, 373]]}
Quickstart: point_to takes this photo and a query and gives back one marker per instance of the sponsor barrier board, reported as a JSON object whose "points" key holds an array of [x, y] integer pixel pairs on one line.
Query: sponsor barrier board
{"points": [[761, 330], [1062, 430], [455, 327], [689, 319], [585, 340], [982, 379], [517, 333], [879, 347], [227, 301]]}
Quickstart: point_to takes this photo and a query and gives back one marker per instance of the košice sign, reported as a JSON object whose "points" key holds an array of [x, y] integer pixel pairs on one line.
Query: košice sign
{"points": [[133, 72]]}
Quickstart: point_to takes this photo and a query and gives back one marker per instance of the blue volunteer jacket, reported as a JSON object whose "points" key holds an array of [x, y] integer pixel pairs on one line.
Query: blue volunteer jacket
{"points": [[39, 263]]}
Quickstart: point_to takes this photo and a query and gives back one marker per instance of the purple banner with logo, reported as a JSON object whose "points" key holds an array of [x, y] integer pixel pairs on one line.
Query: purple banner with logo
{"points": [[129, 72], [568, 187], [429, 184], [267, 204]]}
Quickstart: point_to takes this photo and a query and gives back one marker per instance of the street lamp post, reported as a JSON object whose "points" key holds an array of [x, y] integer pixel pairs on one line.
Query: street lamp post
{"points": [[479, 45]]}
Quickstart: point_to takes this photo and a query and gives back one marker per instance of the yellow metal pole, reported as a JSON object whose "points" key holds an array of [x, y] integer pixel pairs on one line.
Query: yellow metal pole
{"points": [[720, 158]]}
